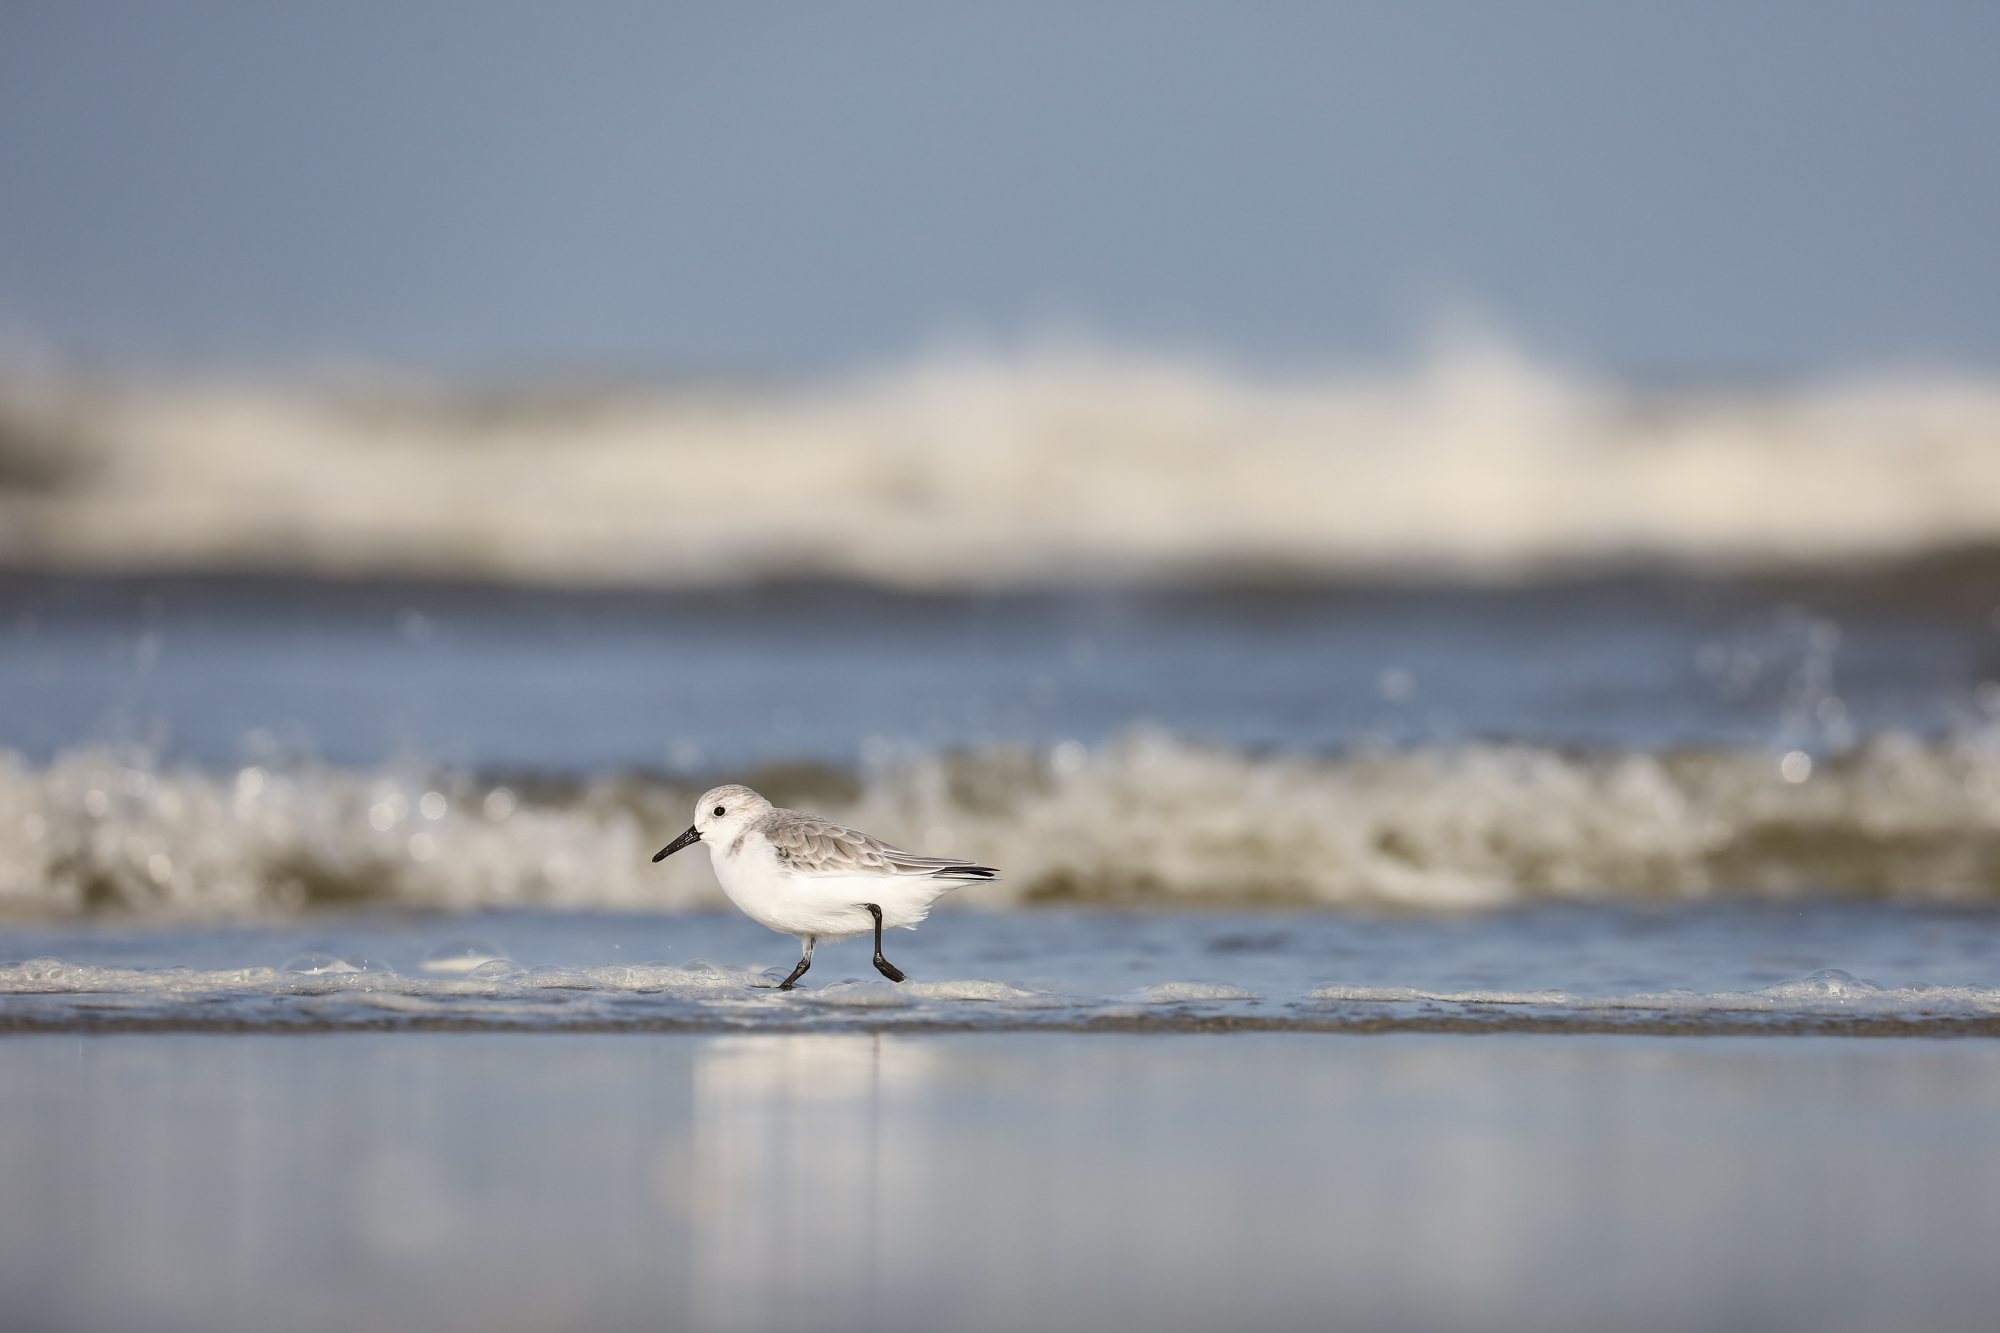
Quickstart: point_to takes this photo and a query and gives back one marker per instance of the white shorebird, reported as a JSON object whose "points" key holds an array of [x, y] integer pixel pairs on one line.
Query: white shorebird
{"points": [[806, 876]]}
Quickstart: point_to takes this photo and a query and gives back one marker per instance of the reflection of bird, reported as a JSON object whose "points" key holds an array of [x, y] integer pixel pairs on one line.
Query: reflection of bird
{"points": [[806, 876]]}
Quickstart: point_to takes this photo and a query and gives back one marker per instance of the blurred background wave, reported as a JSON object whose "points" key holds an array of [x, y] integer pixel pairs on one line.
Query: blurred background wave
{"points": [[966, 472]]}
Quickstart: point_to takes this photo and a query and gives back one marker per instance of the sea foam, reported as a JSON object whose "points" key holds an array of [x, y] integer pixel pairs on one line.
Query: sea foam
{"points": [[49, 994], [1153, 818]]}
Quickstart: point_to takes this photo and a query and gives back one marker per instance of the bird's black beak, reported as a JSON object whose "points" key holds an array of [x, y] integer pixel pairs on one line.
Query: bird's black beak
{"points": [[686, 839]]}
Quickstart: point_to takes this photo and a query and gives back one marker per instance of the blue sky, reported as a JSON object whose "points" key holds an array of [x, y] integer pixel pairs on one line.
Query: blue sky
{"points": [[1699, 189]]}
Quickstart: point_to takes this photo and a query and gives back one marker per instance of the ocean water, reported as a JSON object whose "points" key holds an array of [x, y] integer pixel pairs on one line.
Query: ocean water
{"points": [[1608, 801], [1479, 849]]}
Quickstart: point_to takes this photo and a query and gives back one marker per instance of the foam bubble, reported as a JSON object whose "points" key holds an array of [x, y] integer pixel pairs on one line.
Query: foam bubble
{"points": [[317, 964], [988, 991], [1187, 992], [1410, 995], [556, 978], [859, 995]]}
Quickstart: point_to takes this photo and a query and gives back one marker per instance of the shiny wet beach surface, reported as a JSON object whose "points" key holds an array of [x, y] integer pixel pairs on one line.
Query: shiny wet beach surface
{"points": [[996, 1180]]}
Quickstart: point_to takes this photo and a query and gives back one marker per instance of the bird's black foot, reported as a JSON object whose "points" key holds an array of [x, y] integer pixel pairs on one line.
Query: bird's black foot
{"points": [[800, 970], [883, 965]]}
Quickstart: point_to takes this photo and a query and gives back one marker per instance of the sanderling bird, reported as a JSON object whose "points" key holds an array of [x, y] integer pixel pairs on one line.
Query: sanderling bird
{"points": [[806, 876]]}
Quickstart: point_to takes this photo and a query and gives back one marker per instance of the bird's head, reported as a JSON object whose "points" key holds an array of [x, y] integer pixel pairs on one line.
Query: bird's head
{"points": [[719, 816]]}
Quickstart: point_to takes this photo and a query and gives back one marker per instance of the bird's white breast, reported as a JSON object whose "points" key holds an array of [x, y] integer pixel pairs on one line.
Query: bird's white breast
{"points": [[827, 907]]}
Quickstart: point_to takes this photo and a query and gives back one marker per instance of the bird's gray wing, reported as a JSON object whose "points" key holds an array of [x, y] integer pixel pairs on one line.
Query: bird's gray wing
{"points": [[810, 845]]}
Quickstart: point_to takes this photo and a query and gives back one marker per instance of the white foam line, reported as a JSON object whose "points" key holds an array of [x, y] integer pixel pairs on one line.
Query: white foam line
{"points": [[1828, 991]]}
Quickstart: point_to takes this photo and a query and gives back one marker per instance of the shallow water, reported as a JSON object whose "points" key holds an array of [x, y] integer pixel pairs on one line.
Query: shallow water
{"points": [[1723, 967], [992, 1181]]}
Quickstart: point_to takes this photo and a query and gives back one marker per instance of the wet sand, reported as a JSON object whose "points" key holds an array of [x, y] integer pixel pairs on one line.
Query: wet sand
{"points": [[996, 1180]]}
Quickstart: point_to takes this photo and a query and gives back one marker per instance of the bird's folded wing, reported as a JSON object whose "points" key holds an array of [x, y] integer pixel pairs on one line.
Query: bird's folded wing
{"points": [[815, 846]]}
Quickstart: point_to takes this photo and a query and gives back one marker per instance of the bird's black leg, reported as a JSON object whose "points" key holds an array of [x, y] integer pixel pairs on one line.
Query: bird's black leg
{"points": [[804, 963], [882, 965]]}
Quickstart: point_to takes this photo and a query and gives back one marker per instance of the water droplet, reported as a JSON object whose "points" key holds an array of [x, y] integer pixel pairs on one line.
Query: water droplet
{"points": [[415, 626], [1397, 685]]}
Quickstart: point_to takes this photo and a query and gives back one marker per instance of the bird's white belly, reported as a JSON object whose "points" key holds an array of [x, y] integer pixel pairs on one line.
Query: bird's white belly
{"points": [[826, 907]]}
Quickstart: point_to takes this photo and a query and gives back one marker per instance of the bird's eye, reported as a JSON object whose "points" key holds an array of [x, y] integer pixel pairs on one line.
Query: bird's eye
{"points": [[718, 812]]}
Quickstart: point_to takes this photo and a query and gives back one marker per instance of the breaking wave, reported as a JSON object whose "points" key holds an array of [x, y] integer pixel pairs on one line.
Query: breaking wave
{"points": [[1152, 819], [982, 472]]}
